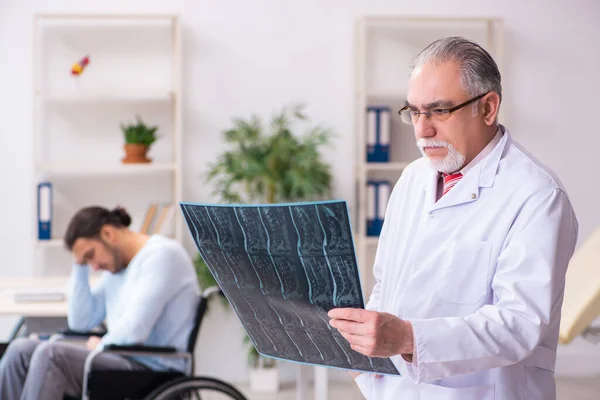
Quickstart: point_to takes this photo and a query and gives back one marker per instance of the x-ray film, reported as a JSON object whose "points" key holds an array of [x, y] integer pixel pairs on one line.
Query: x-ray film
{"points": [[283, 267]]}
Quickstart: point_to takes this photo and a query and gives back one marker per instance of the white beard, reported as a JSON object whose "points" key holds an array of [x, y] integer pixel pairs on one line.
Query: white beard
{"points": [[453, 161]]}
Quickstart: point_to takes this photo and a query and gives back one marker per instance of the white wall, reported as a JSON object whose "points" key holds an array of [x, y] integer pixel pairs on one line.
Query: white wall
{"points": [[254, 56]]}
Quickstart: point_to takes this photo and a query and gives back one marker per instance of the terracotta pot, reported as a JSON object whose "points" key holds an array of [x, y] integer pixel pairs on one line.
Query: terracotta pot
{"points": [[135, 153]]}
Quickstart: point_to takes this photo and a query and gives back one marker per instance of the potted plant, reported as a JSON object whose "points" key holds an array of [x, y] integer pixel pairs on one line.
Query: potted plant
{"points": [[264, 376], [270, 164], [138, 139]]}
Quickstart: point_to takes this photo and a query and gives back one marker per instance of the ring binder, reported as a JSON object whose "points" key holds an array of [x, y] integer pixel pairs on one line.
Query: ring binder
{"points": [[378, 133], [44, 210]]}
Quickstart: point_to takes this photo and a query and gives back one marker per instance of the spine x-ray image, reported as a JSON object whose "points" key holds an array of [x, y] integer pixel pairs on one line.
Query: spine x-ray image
{"points": [[283, 267]]}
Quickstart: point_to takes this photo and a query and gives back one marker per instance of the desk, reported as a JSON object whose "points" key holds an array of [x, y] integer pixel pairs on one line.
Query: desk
{"points": [[10, 286], [35, 309]]}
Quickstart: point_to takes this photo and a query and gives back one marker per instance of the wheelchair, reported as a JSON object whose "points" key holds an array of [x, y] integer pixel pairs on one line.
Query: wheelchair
{"points": [[148, 384]]}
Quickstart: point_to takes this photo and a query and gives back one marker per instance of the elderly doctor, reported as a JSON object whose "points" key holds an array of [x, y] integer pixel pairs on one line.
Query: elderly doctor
{"points": [[470, 268]]}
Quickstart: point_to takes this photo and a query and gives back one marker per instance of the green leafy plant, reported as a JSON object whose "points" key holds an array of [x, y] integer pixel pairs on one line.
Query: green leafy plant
{"points": [[205, 277], [273, 165], [139, 133], [269, 163], [255, 360]]}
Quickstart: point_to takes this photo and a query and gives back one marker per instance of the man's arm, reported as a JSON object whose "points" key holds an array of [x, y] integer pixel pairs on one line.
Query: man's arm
{"points": [[528, 285], [159, 279], [86, 307]]}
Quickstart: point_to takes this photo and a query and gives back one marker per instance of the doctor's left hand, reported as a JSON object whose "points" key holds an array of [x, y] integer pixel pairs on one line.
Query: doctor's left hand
{"points": [[372, 333]]}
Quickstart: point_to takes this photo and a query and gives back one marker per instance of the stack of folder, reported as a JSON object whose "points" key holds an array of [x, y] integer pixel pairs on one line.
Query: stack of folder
{"points": [[378, 133], [158, 219], [378, 195]]}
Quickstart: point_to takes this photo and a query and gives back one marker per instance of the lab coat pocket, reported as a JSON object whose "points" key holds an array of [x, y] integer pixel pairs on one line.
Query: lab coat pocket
{"points": [[464, 273], [435, 392]]}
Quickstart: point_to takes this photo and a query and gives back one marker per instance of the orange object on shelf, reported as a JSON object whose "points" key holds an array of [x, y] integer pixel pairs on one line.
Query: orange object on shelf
{"points": [[79, 67]]}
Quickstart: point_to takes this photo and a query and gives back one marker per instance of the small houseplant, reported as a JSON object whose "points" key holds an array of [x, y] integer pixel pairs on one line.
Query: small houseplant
{"points": [[264, 376], [138, 139], [271, 164], [268, 163]]}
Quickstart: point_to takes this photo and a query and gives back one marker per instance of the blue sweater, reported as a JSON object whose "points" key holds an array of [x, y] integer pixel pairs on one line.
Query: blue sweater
{"points": [[152, 301]]}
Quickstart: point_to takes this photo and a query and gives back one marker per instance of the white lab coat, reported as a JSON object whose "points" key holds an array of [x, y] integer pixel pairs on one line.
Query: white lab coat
{"points": [[480, 275]]}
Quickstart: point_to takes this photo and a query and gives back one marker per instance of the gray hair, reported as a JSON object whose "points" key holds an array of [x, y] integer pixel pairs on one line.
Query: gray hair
{"points": [[478, 70]]}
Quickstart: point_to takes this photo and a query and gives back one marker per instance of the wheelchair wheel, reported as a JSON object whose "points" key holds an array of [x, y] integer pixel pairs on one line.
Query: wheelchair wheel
{"points": [[195, 388]]}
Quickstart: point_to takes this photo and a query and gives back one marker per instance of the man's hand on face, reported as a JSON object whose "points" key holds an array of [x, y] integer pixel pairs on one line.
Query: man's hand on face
{"points": [[93, 342], [372, 333]]}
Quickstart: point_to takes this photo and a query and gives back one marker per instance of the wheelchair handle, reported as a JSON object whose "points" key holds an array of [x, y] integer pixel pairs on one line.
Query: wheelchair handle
{"points": [[211, 291]]}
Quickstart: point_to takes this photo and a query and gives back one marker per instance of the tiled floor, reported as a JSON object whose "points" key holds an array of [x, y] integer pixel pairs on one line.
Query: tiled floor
{"points": [[567, 389]]}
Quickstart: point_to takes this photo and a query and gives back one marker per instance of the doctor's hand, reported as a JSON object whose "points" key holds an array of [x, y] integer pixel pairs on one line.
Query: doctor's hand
{"points": [[373, 333]]}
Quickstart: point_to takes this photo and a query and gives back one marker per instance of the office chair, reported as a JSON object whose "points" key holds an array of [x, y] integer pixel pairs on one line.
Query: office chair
{"points": [[148, 384]]}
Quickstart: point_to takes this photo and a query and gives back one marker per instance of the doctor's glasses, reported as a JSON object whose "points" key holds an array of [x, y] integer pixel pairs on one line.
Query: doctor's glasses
{"points": [[410, 115]]}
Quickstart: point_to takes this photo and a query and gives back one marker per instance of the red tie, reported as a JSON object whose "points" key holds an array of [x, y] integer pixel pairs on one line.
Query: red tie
{"points": [[450, 181]]}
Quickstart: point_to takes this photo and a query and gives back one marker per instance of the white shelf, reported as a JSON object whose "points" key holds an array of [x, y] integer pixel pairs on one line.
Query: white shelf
{"points": [[395, 97], [372, 241], [111, 169], [132, 96], [111, 21], [51, 243], [386, 166]]}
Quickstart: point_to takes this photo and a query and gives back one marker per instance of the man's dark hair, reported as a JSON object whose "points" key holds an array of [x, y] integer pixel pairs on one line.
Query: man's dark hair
{"points": [[88, 222]]}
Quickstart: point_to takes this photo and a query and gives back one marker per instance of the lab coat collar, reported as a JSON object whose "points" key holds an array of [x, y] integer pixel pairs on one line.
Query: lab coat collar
{"points": [[489, 165], [467, 189]]}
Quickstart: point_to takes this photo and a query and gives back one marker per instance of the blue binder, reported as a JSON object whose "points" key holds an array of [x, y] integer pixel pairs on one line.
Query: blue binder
{"points": [[372, 225], [378, 195], [378, 133], [44, 211]]}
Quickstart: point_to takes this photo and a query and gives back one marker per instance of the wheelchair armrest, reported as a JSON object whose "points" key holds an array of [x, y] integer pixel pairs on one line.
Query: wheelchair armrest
{"points": [[138, 348], [151, 351], [84, 334], [71, 335]]}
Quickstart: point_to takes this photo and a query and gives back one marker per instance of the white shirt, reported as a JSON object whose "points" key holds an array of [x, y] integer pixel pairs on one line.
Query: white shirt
{"points": [[480, 275], [482, 154]]}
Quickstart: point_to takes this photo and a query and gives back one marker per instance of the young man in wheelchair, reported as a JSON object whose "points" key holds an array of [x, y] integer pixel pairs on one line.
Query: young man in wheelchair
{"points": [[147, 295]]}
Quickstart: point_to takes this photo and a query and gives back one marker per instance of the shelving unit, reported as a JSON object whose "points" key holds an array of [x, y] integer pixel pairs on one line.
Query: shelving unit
{"points": [[99, 97], [134, 70], [384, 48], [388, 166], [108, 169]]}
